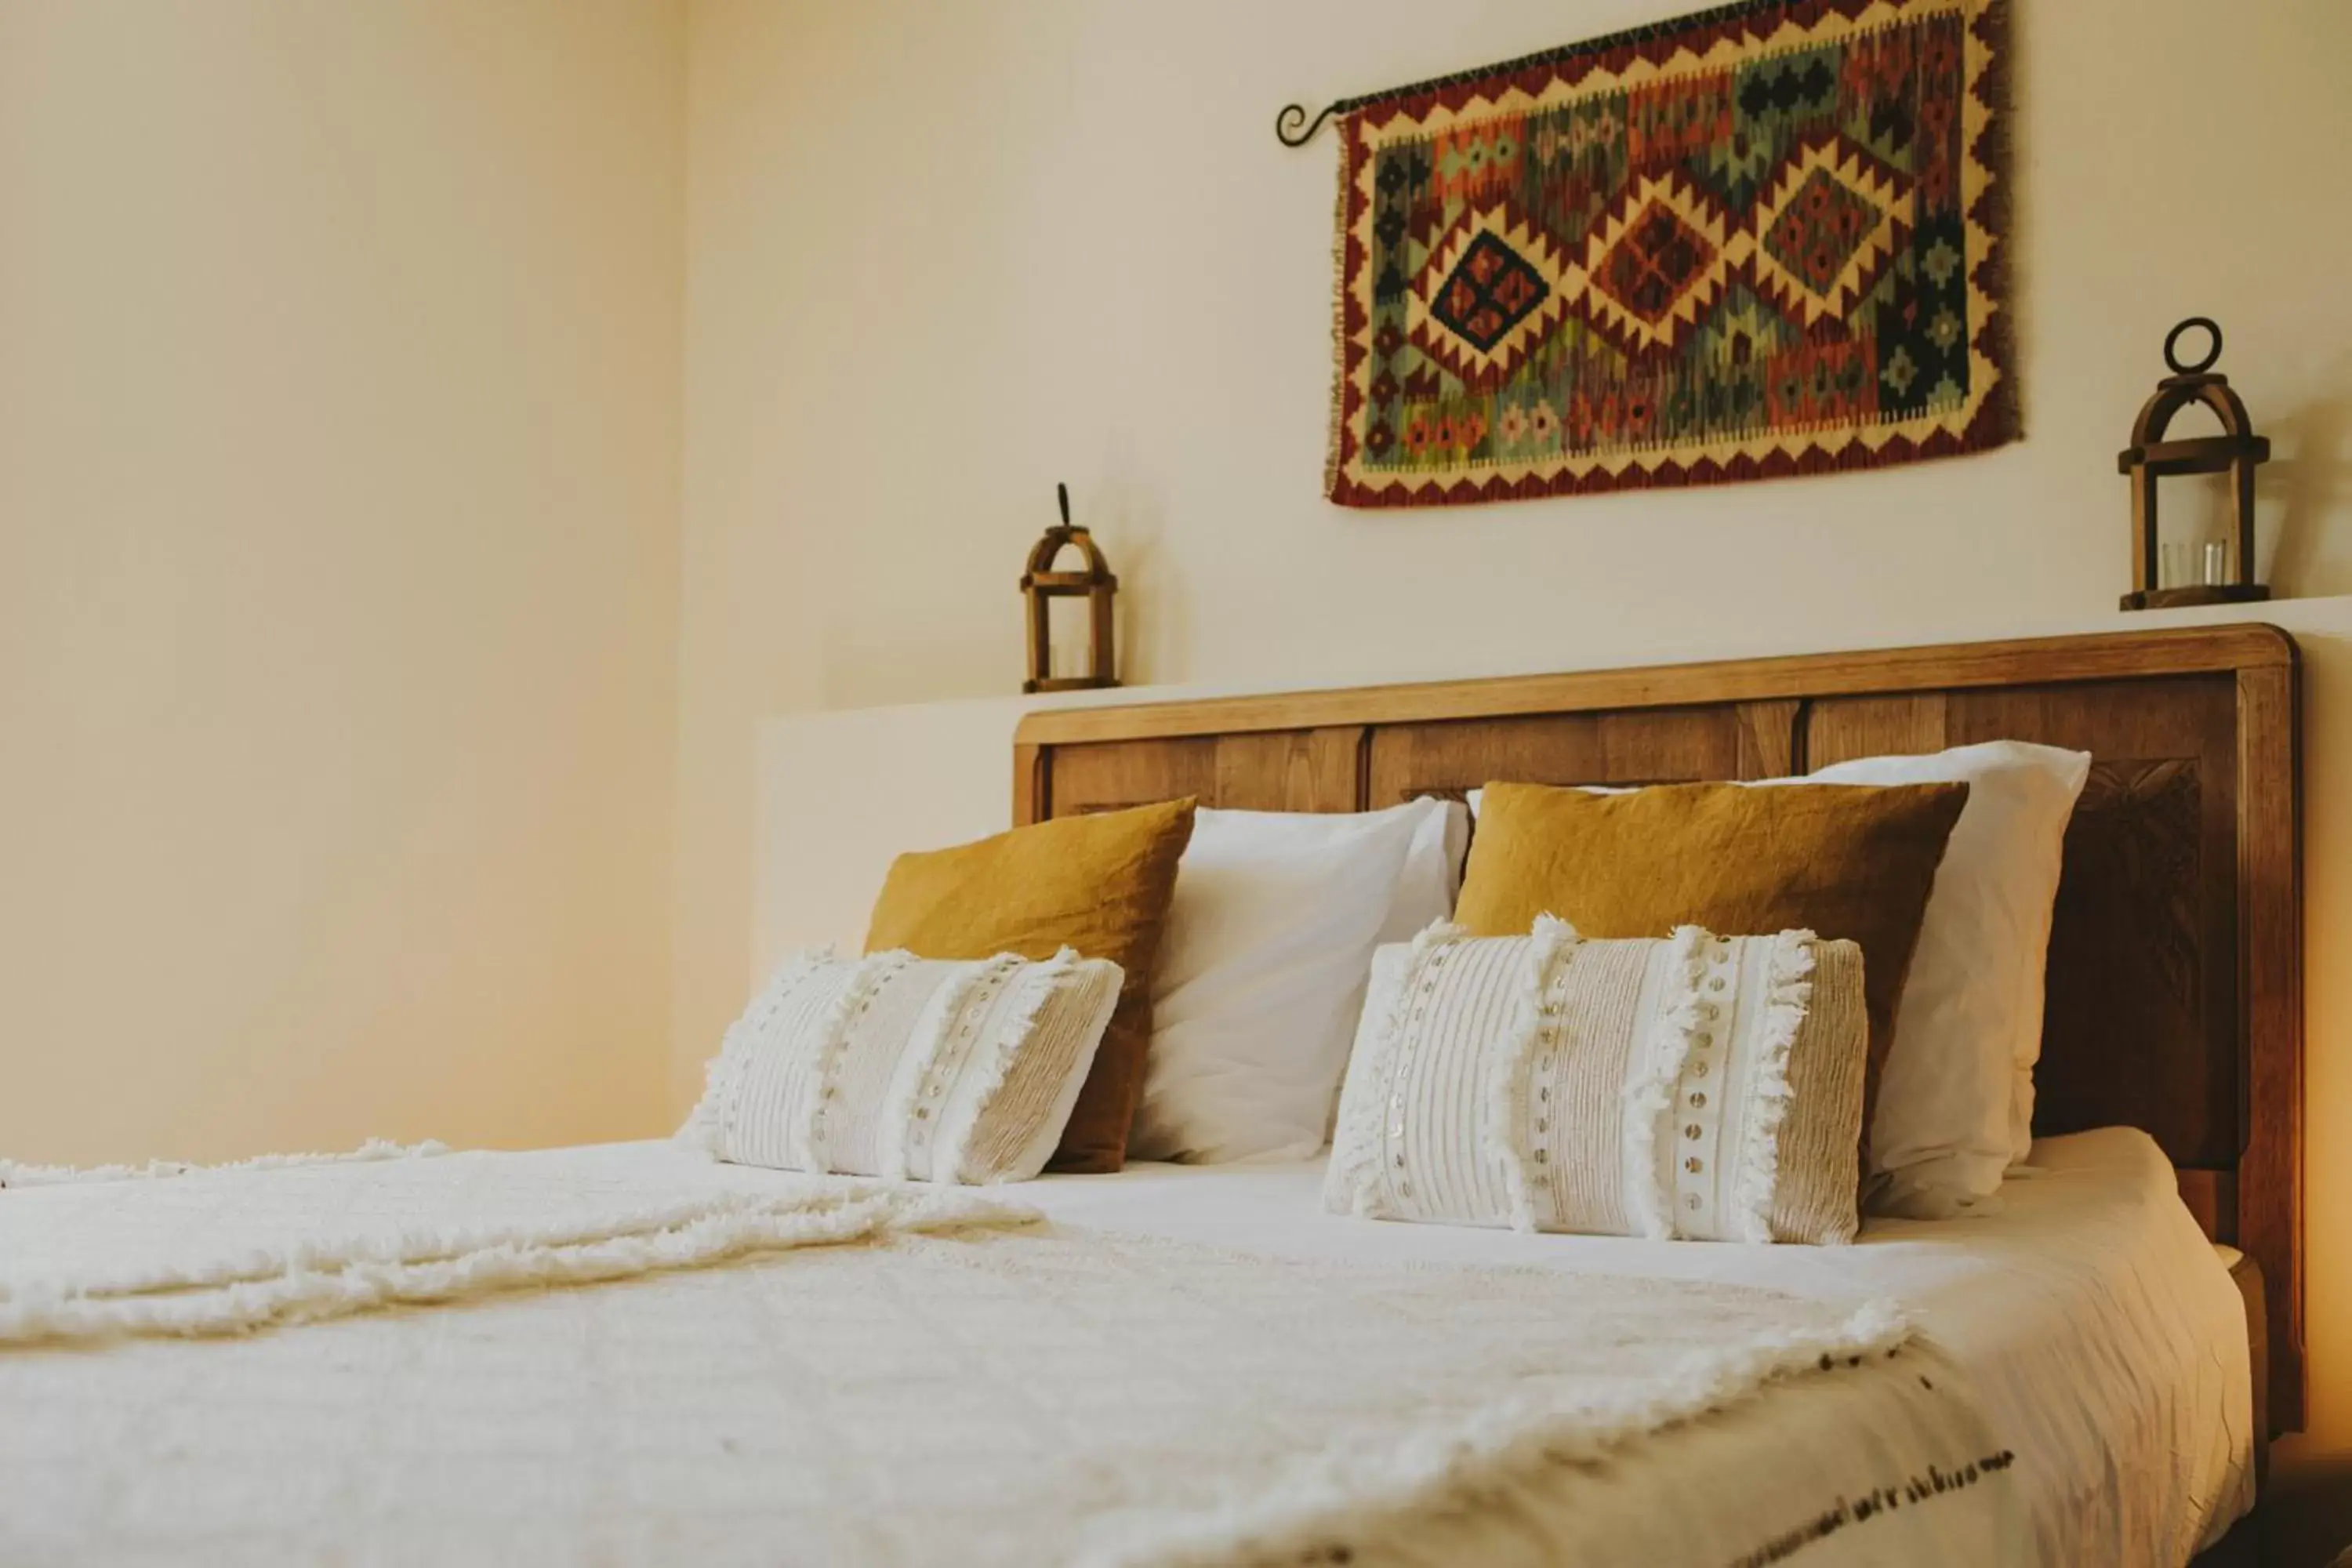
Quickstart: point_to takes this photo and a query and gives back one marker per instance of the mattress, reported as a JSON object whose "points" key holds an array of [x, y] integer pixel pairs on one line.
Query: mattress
{"points": [[2103, 1336], [2088, 1329]]}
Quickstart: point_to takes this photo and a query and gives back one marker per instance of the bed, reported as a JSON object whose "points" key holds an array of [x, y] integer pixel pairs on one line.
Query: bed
{"points": [[2175, 977], [1198, 1364]]}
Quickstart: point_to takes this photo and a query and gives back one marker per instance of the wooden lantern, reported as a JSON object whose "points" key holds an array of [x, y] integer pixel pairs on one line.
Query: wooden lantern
{"points": [[1044, 581], [2150, 457]]}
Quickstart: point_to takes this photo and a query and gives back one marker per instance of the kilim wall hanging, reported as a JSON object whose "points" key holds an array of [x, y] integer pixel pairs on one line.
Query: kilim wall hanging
{"points": [[1765, 239]]}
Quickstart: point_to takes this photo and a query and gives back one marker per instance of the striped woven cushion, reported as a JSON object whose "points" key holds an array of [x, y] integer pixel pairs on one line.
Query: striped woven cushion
{"points": [[912, 1069], [1690, 1087]]}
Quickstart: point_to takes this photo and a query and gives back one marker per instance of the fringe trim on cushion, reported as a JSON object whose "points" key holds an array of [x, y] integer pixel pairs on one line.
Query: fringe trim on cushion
{"points": [[1505, 1135], [1013, 1037], [1650, 1096], [710, 1125], [337, 1277], [858, 992], [14, 1174], [1361, 1153], [1506, 1458], [1788, 996]]}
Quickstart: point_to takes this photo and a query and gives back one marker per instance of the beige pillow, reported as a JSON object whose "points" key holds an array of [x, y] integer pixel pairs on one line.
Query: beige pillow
{"points": [[905, 1068], [1692, 1087]]}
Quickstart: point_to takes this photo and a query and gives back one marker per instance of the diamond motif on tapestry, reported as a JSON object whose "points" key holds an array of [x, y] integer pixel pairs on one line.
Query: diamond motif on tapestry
{"points": [[1827, 225], [1656, 264], [1490, 292], [1658, 261], [1820, 231]]}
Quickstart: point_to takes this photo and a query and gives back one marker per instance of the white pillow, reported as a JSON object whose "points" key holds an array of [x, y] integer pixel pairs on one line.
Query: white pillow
{"points": [[1693, 1087], [1261, 976], [1432, 879], [1955, 1102], [912, 1069]]}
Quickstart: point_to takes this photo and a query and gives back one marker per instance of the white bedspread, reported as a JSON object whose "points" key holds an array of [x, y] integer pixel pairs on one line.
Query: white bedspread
{"points": [[1073, 1395], [2103, 1337]]}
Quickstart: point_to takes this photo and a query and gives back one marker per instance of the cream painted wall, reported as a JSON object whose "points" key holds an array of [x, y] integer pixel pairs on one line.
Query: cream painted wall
{"points": [[941, 256], [339, 414]]}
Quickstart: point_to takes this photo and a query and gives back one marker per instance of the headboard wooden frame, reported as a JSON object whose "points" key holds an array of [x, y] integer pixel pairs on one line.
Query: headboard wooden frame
{"points": [[2174, 979]]}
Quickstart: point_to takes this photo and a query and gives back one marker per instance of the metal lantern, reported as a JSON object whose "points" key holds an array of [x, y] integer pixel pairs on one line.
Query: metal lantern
{"points": [[1044, 581], [2150, 457]]}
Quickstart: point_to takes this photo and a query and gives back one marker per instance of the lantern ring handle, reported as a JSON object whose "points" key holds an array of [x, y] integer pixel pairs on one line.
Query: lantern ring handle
{"points": [[2202, 365]]}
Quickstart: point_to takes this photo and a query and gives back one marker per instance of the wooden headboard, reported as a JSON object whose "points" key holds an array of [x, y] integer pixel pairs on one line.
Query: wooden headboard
{"points": [[2175, 977]]}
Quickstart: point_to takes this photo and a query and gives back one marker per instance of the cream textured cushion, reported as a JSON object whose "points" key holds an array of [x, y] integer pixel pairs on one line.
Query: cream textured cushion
{"points": [[922, 1069], [1694, 1087]]}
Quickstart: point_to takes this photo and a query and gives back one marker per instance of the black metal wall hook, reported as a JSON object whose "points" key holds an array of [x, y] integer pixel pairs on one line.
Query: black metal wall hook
{"points": [[1294, 115]]}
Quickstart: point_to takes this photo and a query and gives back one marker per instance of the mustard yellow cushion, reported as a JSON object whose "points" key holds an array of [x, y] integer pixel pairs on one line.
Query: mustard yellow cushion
{"points": [[1849, 862], [1099, 884]]}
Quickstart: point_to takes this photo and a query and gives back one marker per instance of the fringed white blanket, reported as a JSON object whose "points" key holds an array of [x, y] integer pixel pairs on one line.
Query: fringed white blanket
{"points": [[933, 1390], [335, 1275]]}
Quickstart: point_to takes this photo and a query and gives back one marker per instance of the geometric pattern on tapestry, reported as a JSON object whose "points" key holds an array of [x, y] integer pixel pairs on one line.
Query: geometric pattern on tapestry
{"points": [[1763, 241]]}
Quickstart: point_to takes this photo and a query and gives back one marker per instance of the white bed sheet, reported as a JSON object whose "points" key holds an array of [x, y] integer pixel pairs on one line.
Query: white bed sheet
{"points": [[2102, 1333]]}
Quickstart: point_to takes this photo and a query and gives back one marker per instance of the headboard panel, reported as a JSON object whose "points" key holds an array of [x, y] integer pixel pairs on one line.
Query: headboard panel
{"points": [[1657, 745], [2175, 967]]}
